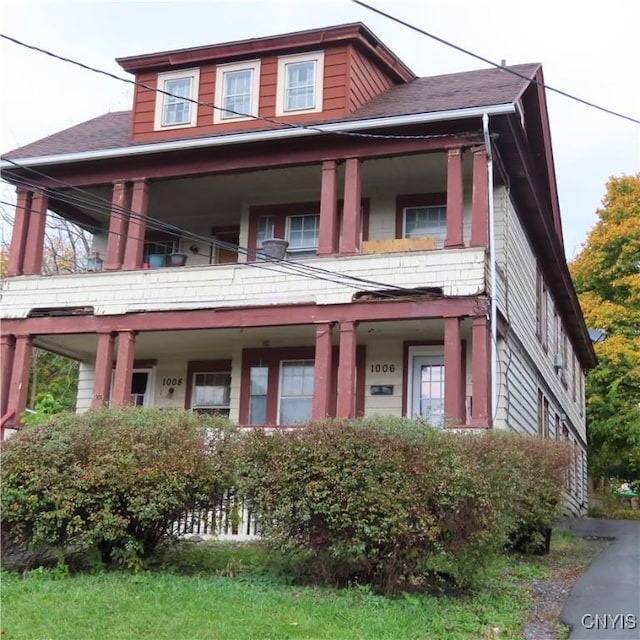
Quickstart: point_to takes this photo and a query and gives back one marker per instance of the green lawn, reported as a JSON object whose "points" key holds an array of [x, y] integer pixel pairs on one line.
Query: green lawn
{"points": [[233, 593]]}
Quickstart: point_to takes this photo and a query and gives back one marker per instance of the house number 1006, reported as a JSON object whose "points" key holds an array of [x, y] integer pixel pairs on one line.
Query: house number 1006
{"points": [[383, 368]]}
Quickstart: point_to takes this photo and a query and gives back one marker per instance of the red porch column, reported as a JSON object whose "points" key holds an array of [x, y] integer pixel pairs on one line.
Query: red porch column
{"points": [[481, 382], [453, 381], [137, 224], [124, 369], [120, 202], [328, 232], [351, 215], [15, 262], [322, 372], [7, 351], [32, 264], [480, 200], [103, 369], [345, 407], [455, 199], [19, 387]]}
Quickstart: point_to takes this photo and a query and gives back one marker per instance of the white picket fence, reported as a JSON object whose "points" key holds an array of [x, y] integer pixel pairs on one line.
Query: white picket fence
{"points": [[230, 520]]}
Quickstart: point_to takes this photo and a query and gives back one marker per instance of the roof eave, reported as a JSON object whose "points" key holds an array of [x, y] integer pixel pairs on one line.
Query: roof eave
{"points": [[262, 136]]}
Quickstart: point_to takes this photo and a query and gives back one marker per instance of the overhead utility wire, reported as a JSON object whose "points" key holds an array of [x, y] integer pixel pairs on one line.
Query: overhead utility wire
{"points": [[495, 64], [292, 266], [281, 123]]}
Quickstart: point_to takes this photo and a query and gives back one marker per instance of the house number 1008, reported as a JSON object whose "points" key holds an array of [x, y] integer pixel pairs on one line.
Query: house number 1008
{"points": [[383, 368], [171, 382]]}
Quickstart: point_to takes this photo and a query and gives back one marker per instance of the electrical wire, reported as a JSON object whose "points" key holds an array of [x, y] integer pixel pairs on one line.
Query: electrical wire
{"points": [[494, 64], [95, 204]]}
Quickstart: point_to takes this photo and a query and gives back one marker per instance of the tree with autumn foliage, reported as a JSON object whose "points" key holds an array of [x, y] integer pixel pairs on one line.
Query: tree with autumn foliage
{"points": [[606, 275]]}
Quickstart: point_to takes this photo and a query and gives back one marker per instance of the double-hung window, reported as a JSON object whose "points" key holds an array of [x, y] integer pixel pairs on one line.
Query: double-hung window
{"points": [[426, 221], [296, 391], [300, 83], [237, 88], [175, 106], [302, 234], [211, 392]]}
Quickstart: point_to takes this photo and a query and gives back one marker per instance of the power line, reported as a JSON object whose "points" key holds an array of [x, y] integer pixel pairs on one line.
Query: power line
{"points": [[494, 64], [280, 123], [280, 266]]}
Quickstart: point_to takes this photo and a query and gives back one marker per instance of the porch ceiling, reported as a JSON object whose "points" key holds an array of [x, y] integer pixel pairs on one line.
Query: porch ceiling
{"points": [[221, 343], [218, 199]]}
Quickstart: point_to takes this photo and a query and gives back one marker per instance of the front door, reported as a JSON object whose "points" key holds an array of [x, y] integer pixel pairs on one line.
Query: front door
{"points": [[427, 388]]}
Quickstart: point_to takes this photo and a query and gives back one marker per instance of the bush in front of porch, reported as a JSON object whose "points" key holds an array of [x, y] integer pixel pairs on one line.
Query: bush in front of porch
{"points": [[396, 504], [111, 481]]}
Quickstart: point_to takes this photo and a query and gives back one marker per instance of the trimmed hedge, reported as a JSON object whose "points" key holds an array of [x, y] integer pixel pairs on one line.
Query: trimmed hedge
{"points": [[392, 502], [111, 480]]}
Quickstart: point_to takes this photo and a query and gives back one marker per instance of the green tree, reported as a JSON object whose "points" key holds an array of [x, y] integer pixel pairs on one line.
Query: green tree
{"points": [[606, 275]]}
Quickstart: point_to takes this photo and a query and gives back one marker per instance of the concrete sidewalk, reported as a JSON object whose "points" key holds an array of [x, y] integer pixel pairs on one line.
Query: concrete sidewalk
{"points": [[605, 602]]}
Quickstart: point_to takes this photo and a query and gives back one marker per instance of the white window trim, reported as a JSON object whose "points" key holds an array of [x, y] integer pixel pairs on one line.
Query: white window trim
{"points": [[308, 249], [280, 376], [429, 351], [194, 74], [283, 61], [246, 65], [440, 237]]}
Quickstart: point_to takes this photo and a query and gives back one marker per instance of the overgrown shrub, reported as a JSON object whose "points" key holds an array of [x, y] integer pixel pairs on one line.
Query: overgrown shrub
{"points": [[391, 502], [112, 480]]}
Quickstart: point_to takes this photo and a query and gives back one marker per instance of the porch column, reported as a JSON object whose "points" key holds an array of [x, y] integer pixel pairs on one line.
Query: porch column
{"points": [[117, 226], [480, 385], [34, 246], [15, 260], [454, 198], [453, 381], [328, 232], [19, 387], [322, 372], [351, 214], [123, 375], [7, 351], [480, 200], [346, 400], [137, 224], [102, 371]]}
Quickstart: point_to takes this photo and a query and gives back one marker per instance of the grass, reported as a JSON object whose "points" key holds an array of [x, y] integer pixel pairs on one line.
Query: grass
{"points": [[240, 591]]}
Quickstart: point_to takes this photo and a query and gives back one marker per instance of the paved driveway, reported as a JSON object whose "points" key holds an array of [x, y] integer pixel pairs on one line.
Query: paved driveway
{"points": [[605, 602]]}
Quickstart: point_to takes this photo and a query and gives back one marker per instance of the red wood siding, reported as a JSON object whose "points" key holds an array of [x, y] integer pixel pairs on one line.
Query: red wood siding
{"points": [[335, 100], [366, 80]]}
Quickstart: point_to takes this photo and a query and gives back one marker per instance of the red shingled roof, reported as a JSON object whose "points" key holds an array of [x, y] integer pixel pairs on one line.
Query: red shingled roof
{"points": [[431, 94]]}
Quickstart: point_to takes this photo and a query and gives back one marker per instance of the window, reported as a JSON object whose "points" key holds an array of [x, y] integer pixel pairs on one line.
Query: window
{"points": [[422, 215], [211, 393], [541, 309], [162, 248], [426, 221], [302, 234], [300, 83], [174, 108], [543, 415], [237, 87], [296, 392], [258, 386]]}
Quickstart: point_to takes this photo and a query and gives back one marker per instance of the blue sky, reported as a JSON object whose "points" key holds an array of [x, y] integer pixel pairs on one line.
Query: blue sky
{"points": [[588, 49]]}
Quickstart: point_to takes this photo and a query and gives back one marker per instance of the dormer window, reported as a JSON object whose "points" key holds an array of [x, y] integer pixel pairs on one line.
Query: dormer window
{"points": [[237, 87], [175, 109], [300, 83]]}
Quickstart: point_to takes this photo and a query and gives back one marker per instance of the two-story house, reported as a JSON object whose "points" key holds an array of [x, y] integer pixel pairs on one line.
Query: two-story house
{"points": [[422, 272]]}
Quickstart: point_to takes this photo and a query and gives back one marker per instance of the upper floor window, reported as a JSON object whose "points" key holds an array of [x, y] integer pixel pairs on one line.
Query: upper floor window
{"points": [[302, 234], [300, 83], [422, 215], [174, 108], [237, 88]]}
